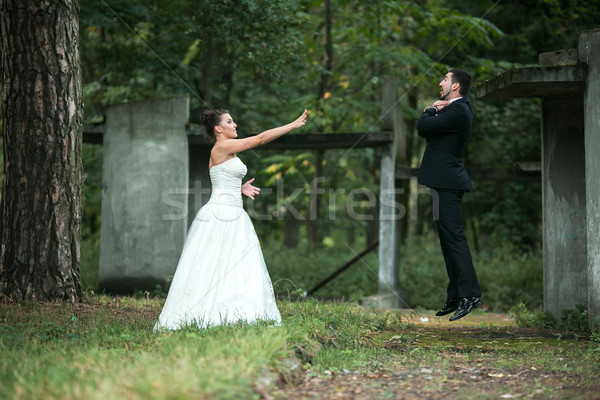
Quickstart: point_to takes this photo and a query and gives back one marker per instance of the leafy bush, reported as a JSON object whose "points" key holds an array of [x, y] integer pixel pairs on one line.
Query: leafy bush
{"points": [[294, 271], [506, 276], [575, 319], [570, 320], [538, 319]]}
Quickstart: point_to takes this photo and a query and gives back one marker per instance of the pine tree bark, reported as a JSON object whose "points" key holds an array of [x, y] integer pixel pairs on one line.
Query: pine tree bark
{"points": [[42, 108]]}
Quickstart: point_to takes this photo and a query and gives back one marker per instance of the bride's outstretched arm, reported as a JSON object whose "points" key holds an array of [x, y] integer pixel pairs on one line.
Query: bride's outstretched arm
{"points": [[233, 146]]}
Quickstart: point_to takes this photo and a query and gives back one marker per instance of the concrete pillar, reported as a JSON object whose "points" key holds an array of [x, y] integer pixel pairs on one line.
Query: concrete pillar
{"points": [[564, 202], [388, 295], [144, 193], [589, 54], [388, 225]]}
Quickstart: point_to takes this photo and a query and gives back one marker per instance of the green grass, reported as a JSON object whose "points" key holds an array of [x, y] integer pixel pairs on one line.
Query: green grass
{"points": [[105, 349]]}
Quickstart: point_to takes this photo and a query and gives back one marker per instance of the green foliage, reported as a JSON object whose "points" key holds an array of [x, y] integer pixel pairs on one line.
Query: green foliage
{"points": [[505, 276], [533, 27], [91, 216], [575, 319], [158, 48], [595, 336], [89, 262], [347, 203], [538, 319], [374, 41], [294, 271], [505, 212], [570, 320], [422, 272]]}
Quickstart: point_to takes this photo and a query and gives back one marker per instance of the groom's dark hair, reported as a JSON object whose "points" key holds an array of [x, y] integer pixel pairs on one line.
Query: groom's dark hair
{"points": [[463, 78]]}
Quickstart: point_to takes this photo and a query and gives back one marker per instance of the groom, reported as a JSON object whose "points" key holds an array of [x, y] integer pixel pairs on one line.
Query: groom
{"points": [[446, 125]]}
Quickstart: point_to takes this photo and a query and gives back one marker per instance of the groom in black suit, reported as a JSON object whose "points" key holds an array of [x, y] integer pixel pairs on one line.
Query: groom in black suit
{"points": [[446, 125]]}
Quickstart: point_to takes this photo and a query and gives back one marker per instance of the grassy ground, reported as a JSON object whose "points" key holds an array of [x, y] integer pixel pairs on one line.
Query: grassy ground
{"points": [[105, 349]]}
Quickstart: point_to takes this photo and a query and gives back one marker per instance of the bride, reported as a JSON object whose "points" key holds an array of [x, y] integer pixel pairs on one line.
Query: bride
{"points": [[221, 277]]}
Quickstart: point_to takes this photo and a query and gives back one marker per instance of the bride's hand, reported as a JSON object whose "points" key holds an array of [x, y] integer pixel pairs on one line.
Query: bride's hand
{"points": [[250, 190], [301, 120]]}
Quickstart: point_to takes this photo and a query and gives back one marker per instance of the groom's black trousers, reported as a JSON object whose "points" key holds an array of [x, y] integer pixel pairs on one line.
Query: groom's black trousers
{"points": [[447, 212]]}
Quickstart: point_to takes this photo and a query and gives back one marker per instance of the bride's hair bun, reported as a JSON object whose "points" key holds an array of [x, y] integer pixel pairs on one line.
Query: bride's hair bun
{"points": [[212, 118]]}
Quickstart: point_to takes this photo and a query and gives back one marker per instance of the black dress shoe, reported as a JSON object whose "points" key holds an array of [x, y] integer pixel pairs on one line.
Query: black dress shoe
{"points": [[466, 305], [451, 305]]}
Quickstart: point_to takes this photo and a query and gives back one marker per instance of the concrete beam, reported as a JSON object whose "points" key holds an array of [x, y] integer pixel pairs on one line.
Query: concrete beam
{"points": [[559, 57], [551, 81], [303, 141], [94, 133]]}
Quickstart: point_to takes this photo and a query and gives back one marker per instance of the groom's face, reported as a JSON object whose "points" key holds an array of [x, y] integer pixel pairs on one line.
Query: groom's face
{"points": [[446, 86]]}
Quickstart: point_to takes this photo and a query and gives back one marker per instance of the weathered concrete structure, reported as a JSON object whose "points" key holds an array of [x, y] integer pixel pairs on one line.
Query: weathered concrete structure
{"points": [[144, 193], [568, 83]]}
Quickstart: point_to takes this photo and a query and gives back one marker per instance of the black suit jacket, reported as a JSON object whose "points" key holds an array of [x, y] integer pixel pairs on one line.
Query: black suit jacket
{"points": [[447, 134]]}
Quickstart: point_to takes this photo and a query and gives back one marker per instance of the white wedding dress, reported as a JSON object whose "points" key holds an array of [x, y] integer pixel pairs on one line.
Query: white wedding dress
{"points": [[221, 276]]}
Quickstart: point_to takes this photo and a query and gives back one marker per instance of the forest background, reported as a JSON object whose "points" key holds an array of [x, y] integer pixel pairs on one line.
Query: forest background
{"points": [[266, 61]]}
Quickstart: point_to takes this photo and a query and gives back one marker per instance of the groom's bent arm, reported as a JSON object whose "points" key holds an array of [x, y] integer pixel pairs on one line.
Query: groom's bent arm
{"points": [[451, 120]]}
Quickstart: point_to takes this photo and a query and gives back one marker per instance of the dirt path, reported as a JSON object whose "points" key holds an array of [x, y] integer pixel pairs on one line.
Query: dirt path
{"points": [[481, 356]]}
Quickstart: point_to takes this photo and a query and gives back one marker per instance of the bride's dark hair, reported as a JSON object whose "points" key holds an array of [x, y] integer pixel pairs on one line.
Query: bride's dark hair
{"points": [[212, 118]]}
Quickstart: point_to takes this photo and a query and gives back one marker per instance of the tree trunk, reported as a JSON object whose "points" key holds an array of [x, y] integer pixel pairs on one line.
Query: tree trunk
{"points": [[42, 192], [324, 83]]}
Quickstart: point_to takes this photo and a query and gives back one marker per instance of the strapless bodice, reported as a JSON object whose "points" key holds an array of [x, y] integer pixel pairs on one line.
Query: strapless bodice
{"points": [[226, 179]]}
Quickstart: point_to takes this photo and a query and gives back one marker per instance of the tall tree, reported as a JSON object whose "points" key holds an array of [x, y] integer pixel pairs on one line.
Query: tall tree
{"points": [[42, 110]]}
